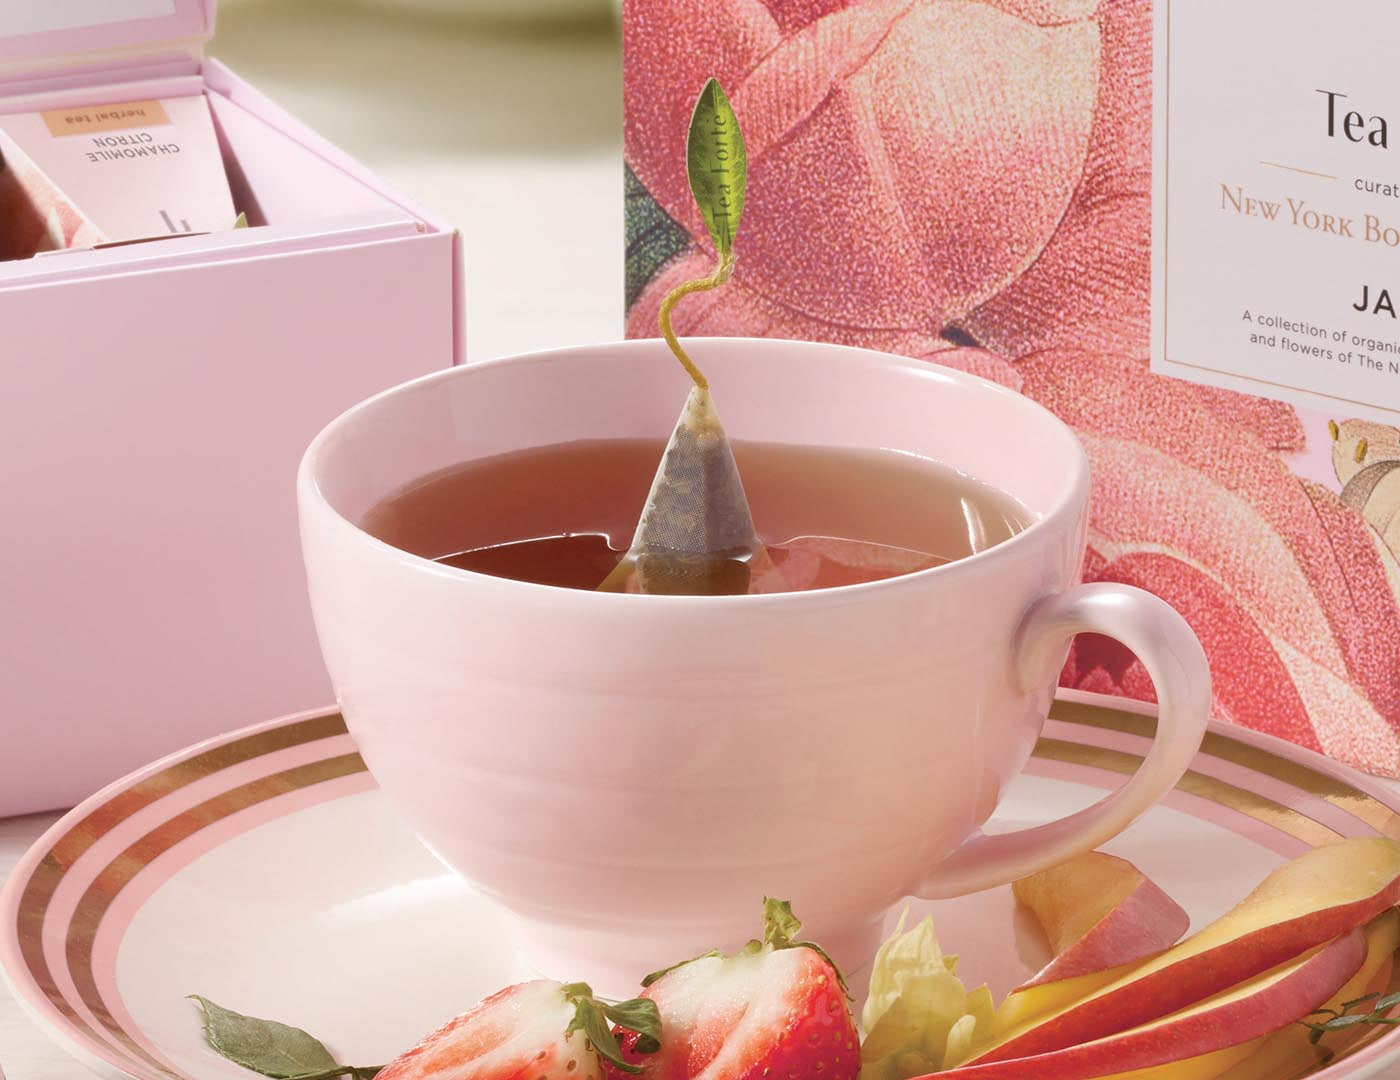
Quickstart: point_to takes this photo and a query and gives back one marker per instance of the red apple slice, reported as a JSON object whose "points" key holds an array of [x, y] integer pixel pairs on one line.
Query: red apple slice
{"points": [[1244, 1013], [1279, 1054], [1324, 894], [1286, 1053], [1099, 912]]}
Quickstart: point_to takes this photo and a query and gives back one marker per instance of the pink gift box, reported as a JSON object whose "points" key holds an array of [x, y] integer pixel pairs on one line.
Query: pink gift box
{"points": [[156, 400]]}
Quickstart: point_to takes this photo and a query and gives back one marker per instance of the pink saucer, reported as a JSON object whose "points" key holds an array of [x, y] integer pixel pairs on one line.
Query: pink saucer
{"points": [[265, 870]]}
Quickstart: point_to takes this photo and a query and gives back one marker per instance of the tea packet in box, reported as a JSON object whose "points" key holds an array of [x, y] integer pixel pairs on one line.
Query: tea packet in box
{"points": [[137, 169], [696, 535]]}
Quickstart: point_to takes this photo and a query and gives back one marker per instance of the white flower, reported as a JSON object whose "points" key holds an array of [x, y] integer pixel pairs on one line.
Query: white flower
{"points": [[919, 1015]]}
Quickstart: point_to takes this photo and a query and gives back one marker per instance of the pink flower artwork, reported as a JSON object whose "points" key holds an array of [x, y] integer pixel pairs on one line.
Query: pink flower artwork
{"points": [[970, 182]]}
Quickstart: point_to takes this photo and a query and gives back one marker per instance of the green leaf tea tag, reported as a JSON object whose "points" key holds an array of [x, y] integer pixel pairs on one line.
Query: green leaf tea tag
{"points": [[717, 164]]}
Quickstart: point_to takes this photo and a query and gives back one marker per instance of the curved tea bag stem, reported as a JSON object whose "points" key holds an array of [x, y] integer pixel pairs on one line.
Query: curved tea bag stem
{"points": [[675, 296]]}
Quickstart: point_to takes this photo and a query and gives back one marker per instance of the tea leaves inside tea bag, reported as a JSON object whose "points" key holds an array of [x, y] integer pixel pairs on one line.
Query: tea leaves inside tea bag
{"points": [[696, 535]]}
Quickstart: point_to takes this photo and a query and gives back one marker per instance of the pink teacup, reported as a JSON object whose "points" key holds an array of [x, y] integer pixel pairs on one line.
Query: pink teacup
{"points": [[631, 775]]}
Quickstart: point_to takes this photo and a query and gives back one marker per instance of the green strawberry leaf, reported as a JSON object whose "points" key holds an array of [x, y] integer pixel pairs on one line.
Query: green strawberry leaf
{"points": [[655, 975], [780, 925], [717, 164], [273, 1049], [642, 1016], [591, 1017], [265, 1046], [780, 930]]}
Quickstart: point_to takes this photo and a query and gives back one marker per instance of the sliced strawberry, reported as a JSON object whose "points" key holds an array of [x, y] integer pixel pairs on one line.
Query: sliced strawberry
{"points": [[532, 1031], [777, 1010]]}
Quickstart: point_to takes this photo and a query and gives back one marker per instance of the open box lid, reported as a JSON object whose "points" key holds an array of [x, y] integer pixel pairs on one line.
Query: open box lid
{"points": [[38, 36]]}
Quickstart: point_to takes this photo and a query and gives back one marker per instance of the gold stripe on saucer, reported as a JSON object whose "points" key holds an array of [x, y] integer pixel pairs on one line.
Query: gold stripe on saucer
{"points": [[76, 841], [1296, 774], [1276, 815], [87, 916]]}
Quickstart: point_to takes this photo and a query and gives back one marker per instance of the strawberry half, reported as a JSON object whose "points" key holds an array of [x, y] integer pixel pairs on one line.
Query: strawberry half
{"points": [[532, 1031], [778, 1010]]}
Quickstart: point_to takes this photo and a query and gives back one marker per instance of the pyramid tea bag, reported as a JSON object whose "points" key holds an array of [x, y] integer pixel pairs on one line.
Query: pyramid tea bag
{"points": [[696, 535]]}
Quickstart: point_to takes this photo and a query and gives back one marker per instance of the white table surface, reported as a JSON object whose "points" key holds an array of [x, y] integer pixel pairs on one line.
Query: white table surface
{"points": [[511, 131]]}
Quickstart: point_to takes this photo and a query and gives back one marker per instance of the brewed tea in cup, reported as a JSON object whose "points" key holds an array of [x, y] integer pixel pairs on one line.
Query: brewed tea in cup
{"points": [[564, 514], [630, 774]]}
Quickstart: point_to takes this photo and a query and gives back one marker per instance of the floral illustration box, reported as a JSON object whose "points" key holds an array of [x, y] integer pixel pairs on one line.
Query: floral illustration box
{"points": [[158, 395], [1205, 288]]}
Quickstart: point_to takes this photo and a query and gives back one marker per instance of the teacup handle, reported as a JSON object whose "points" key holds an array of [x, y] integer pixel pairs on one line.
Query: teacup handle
{"points": [[1174, 659]]}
